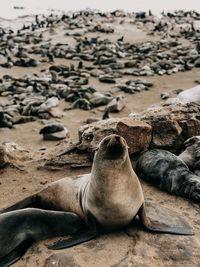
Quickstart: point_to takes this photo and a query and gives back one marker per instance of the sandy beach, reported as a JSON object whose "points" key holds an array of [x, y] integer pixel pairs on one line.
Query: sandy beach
{"points": [[117, 249]]}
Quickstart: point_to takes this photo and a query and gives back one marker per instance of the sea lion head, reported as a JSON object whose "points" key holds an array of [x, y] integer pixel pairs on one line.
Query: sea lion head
{"points": [[112, 147]]}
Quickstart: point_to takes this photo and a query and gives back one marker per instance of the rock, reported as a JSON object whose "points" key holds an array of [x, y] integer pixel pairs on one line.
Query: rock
{"points": [[137, 134], [55, 112], [11, 154], [4, 160], [172, 124], [190, 95], [71, 157], [165, 132], [62, 259], [91, 134]]}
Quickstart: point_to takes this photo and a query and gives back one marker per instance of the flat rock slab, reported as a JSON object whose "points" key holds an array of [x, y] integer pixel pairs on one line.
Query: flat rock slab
{"points": [[73, 159]]}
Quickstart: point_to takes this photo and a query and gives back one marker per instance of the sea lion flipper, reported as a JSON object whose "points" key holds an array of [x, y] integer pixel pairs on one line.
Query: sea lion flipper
{"points": [[75, 240], [17, 253], [28, 202], [156, 226], [78, 238]]}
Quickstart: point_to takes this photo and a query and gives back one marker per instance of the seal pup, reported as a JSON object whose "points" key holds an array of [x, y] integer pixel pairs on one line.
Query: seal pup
{"points": [[191, 154], [107, 199], [169, 173], [20, 229]]}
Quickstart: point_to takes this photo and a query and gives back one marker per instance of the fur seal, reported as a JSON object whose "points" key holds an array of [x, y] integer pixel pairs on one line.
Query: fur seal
{"points": [[191, 154], [20, 229], [107, 199], [169, 173]]}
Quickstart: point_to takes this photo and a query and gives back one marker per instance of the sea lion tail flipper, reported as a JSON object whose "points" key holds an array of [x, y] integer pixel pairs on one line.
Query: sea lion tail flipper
{"points": [[17, 253], [156, 226]]}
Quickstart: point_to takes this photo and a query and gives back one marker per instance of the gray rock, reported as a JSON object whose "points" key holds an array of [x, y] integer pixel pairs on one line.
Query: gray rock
{"points": [[62, 259]]}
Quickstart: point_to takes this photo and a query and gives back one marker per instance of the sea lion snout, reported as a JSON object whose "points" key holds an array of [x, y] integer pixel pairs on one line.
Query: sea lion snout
{"points": [[114, 139], [114, 147]]}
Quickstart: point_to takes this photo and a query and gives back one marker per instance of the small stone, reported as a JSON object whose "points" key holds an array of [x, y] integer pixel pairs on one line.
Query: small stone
{"points": [[60, 260], [138, 134]]}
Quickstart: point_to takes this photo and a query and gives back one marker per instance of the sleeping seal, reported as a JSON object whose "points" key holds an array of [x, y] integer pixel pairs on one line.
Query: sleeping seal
{"points": [[107, 199], [169, 173], [191, 154]]}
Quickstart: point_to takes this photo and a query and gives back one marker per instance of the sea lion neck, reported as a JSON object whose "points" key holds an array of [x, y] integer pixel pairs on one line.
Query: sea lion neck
{"points": [[106, 170]]}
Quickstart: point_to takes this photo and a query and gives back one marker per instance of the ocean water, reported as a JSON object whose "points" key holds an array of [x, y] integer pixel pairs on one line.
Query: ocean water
{"points": [[45, 6]]}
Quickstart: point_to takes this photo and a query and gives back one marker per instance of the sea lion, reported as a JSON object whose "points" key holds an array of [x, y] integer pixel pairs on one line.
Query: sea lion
{"points": [[191, 154], [20, 229], [169, 173], [107, 199]]}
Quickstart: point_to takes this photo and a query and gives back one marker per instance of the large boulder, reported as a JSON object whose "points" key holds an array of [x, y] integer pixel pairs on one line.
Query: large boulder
{"points": [[172, 124], [164, 127], [91, 134], [138, 134]]}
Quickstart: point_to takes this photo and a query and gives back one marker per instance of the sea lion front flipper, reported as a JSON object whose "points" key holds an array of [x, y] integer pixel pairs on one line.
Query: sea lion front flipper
{"points": [[78, 238], [156, 226], [17, 253]]}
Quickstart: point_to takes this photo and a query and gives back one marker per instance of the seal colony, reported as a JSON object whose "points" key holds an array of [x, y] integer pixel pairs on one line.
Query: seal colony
{"points": [[105, 60], [107, 199]]}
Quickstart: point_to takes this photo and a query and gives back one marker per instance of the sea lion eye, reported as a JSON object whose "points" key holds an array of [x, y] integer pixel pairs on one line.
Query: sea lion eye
{"points": [[89, 137]]}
